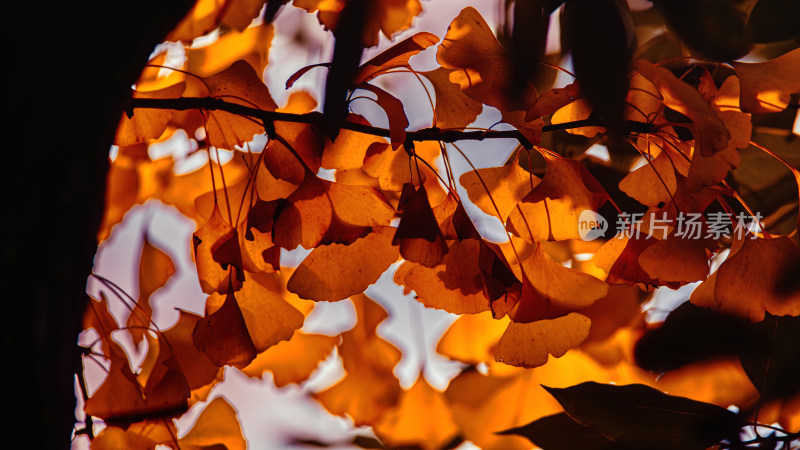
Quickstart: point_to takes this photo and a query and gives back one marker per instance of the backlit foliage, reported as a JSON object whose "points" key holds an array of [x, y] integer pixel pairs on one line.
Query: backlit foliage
{"points": [[552, 332]]}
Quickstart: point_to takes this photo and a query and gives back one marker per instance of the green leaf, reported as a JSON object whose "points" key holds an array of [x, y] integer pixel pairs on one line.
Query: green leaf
{"points": [[638, 415]]}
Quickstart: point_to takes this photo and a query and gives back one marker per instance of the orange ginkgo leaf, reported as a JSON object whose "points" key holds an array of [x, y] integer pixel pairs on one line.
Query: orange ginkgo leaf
{"points": [[422, 419], [217, 426], [454, 108], [98, 316], [337, 271], [387, 16], [453, 220], [498, 190], [349, 148], [215, 244], [580, 109], [147, 124], [711, 135], [251, 45], [395, 56], [369, 388], [707, 170], [551, 290], [147, 434], [472, 338], [238, 14], [393, 107], [122, 400], [552, 100], [530, 344], [455, 285], [305, 140], [266, 319], [418, 235], [551, 210], [484, 67], [393, 169], [223, 335], [238, 84], [196, 366], [746, 284], [653, 183], [155, 269], [324, 212], [294, 360], [201, 19], [676, 260], [767, 86]]}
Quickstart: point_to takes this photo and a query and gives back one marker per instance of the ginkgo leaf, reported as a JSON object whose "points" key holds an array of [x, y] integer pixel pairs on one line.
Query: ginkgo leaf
{"points": [[675, 260], [216, 426], [497, 190], [196, 366], [336, 271], [223, 335], [121, 399], [422, 419], [746, 283], [454, 108], [98, 316], [147, 124], [453, 220], [551, 210], [472, 337], [155, 269], [238, 14], [323, 212], [369, 389], [455, 285], [238, 84], [305, 143], [398, 122], [579, 109], [388, 16], [294, 360], [418, 235], [217, 243], [711, 134], [551, 290], [349, 148], [767, 86], [141, 435], [395, 56], [653, 183], [484, 67], [633, 414], [392, 168], [530, 344], [202, 18]]}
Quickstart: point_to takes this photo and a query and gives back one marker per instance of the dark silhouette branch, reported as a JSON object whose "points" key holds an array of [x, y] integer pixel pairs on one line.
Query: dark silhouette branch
{"points": [[427, 134]]}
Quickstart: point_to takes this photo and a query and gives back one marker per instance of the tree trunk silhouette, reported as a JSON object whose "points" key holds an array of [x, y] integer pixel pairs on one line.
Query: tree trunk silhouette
{"points": [[72, 68]]}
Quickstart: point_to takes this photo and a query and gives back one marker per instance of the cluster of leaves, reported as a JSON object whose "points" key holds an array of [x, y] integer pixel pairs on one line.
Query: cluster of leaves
{"points": [[687, 122]]}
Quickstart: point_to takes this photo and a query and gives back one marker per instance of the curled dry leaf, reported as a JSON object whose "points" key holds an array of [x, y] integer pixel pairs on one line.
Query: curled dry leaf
{"points": [[336, 271], [395, 56]]}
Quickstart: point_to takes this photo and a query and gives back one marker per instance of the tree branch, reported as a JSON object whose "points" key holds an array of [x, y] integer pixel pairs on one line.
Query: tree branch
{"points": [[427, 134]]}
